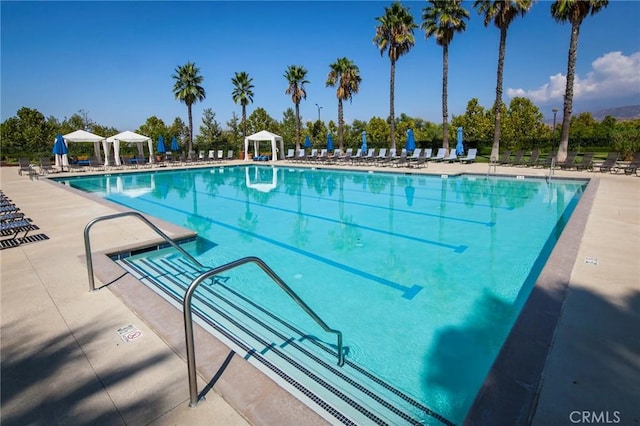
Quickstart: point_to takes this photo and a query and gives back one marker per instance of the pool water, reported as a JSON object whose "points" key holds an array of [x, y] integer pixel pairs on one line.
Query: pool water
{"points": [[424, 275]]}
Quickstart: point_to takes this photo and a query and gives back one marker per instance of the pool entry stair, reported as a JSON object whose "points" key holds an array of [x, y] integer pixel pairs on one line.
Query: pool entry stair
{"points": [[304, 365]]}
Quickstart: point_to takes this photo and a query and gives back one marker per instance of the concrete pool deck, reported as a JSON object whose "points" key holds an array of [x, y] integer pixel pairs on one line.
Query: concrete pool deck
{"points": [[63, 361]]}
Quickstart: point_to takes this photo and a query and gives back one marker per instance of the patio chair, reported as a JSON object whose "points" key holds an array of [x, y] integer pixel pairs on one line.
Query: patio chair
{"points": [[416, 154], [382, 155], [533, 158], [45, 166], [471, 156], [610, 163], [229, 155], [452, 157], [586, 163], [440, 155], [568, 163], [312, 156], [24, 165], [290, 154], [505, 158], [94, 164], [517, 158], [546, 162], [428, 154], [633, 166], [370, 157], [402, 160]]}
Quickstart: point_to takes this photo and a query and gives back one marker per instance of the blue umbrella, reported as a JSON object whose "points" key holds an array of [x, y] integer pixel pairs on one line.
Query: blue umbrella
{"points": [[329, 142], [161, 148], [459, 146], [174, 144], [411, 141], [60, 149], [307, 142], [364, 142]]}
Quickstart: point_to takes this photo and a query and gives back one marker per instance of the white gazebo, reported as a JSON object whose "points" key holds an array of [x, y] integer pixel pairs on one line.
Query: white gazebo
{"points": [[264, 135], [130, 137], [84, 136]]}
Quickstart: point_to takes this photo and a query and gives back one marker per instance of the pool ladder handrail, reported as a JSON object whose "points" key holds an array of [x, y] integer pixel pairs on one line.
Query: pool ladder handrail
{"points": [[87, 241], [188, 317]]}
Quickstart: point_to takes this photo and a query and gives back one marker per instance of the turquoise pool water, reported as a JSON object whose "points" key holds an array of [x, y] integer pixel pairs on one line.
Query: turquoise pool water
{"points": [[424, 275]]}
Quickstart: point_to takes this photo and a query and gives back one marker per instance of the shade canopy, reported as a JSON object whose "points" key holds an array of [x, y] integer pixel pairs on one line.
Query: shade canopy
{"points": [[130, 137], [266, 136], [84, 136]]}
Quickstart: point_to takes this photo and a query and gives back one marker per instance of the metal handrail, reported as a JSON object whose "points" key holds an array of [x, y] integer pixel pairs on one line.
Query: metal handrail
{"points": [[87, 242], [188, 318]]}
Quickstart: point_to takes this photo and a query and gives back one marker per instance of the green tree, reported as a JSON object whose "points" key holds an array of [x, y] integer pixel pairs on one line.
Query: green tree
{"points": [[394, 35], [234, 132], [154, 128], [178, 129], [261, 120], [345, 75], [210, 130], [442, 19], [523, 124], [288, 126], [573, 11], [296, 79], [377, 132], [188, 90], [243, 95], [626, 138], [502, 13], [29, 134]]}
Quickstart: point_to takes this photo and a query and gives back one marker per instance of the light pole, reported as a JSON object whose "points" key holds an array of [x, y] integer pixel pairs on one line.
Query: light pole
{"points": [[319, 108]]}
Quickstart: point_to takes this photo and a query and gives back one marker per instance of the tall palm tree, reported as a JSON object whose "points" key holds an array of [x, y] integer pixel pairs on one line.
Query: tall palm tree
{"points": [[188, 89], [346, 76], [442, 19], [502, 13], [243, 95], [394, 34], [296, 77], [575, 12]]}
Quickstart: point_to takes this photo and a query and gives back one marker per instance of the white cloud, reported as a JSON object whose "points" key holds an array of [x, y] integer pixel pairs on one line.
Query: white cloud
{"points": [[613, 75]]}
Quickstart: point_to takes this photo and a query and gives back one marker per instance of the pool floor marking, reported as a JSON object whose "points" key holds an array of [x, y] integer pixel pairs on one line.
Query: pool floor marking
{"points": [[457, 249]]}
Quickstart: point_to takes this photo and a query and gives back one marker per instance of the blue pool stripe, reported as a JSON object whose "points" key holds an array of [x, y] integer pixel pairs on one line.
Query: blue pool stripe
{"points": [[408, 292], [457, 249]]}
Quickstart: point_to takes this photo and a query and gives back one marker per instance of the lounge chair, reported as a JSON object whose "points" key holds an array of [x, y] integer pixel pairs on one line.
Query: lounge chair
{"points": [[45, 166], [610, 164], [313, 155], [370, 157], [546, 162], [568, 163], [442, 153], [415, 155], [633, 166], [382, 155], [533, 158], [389, 158], [517, 158], [471, 156], [505, 158], [24, 165], [586, 163], [428, 154], [290, 154], [401, 160], [212, 158], [452, 157], [301, 156], [94, 164], [323, 156], [229, 155]]}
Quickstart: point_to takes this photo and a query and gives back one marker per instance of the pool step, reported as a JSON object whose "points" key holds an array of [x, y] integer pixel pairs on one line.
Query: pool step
{"points": [[301, 363]]}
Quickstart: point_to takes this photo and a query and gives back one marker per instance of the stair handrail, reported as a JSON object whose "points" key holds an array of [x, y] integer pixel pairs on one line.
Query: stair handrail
{"points": [[188, 317], [87, 241]]}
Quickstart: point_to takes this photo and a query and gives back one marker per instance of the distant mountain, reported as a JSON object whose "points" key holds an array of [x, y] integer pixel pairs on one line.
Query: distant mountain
{"points": [[619, 113]]}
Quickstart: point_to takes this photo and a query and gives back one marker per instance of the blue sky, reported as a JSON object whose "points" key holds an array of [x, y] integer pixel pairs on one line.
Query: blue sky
{"points": [[114, 60]]}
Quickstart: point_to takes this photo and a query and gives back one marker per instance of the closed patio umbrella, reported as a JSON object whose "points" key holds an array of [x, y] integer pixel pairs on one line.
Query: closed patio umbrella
{"points": [[174, 145], [460, 146], [307, 142], [329, 142], [411, 141], [60, 150], [160, 147], [364, 143]]}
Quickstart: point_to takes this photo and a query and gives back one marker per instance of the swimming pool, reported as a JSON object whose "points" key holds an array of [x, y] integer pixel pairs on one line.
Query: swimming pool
{"points": [[424, 275]]}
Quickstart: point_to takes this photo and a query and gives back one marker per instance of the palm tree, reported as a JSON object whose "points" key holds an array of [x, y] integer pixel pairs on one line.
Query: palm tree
{"points": [[502, 13], [295, 76], [395, 34], [346, 76], [187, 89], [442, 19], [243, 95], [575, 12]]}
